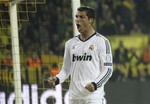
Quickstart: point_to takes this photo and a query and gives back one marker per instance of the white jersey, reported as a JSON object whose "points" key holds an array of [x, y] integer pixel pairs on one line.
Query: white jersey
{"points": [[85, 62]]}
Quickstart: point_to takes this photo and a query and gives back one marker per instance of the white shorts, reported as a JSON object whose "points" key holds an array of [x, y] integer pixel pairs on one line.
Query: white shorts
{"points": [[85, 101]]}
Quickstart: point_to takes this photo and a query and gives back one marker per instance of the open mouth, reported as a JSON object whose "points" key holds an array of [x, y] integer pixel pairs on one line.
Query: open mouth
{"points": [[78, 25]]}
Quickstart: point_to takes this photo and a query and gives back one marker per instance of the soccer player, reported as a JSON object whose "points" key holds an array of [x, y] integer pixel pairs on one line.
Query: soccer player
{"points": [[87, 60]]}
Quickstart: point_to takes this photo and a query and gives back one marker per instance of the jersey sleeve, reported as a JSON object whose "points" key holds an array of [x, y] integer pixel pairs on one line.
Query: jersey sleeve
{"points": [[106, 66], [65, 70]]}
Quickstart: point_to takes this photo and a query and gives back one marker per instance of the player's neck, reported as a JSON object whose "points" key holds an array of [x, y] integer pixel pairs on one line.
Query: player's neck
{"points": [[86, 34]]}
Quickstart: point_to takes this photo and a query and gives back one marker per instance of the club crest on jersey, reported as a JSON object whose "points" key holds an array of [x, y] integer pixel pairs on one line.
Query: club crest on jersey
{"points": [[84, 57], [73, 47], [91, 47]]}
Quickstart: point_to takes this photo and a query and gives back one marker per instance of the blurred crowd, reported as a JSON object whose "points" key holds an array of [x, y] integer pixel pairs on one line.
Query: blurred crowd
{"points": [[129, 65], [47, 31], [51, 26]]}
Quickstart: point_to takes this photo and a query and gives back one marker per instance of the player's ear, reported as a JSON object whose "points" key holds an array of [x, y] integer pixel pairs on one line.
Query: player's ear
{"points": [[91, 20]]}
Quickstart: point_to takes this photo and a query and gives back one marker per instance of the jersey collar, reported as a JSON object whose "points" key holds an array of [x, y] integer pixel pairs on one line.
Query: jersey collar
{"points": [[87, 38]]}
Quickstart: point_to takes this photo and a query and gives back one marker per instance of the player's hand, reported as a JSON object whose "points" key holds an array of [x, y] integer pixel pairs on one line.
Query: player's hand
{"points": [[52, 81], [90, 87]]}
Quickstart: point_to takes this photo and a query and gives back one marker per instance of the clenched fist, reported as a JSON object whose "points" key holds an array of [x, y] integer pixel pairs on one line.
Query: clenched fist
{"points": [[90, 87], [52, 81]]}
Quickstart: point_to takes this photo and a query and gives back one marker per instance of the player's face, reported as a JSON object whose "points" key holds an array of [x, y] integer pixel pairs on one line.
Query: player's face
{"points": [[82, 21]]}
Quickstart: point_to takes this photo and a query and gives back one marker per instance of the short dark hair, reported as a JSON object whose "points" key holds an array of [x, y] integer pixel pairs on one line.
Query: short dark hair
{"points": [[89, 11]]}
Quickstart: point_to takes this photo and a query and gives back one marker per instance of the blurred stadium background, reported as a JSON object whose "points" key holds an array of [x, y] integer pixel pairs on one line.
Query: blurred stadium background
{"points": [[43, 31]]}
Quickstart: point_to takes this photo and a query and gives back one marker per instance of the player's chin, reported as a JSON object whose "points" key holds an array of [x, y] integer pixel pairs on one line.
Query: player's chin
{"points": [[80, 30]]}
